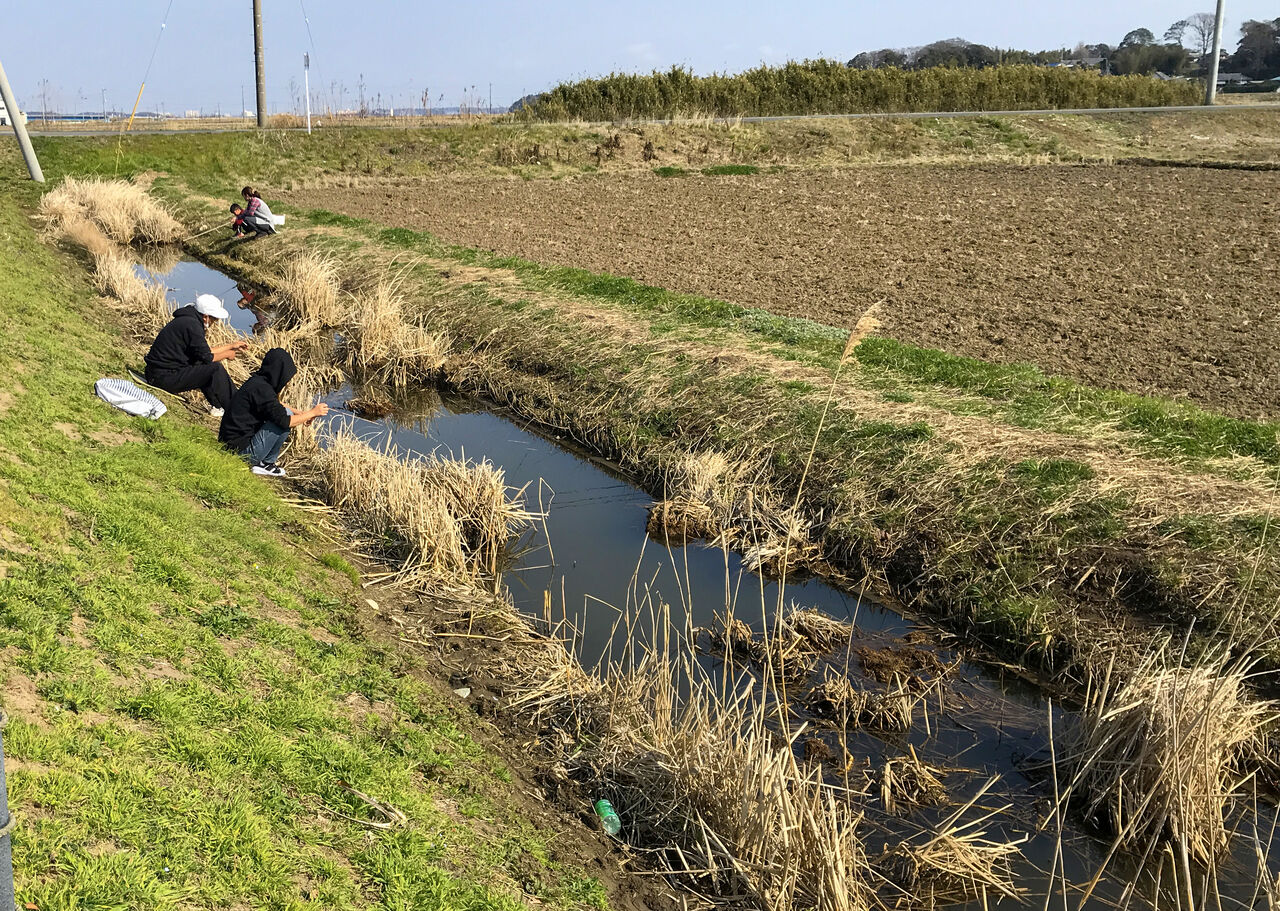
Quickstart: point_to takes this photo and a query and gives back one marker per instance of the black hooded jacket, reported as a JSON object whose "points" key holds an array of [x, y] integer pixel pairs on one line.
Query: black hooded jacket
{"points": [[179, 344], [258, 401]]}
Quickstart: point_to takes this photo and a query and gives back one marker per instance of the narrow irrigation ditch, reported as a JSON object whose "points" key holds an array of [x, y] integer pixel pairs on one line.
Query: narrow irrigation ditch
{"points": [[763, 752], [883, 704]]}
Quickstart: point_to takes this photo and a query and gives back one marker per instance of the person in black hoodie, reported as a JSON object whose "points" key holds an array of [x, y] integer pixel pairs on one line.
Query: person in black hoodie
{"points": [[256, 425], [181, 359]]}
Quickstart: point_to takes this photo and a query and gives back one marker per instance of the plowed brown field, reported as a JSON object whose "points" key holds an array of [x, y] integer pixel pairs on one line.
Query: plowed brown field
{"points": [[1157, 280]]}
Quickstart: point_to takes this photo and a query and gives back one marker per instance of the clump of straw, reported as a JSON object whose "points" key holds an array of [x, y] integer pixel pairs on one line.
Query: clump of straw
{"points": [[906, 782], [142, 302], [308, 294], [1154, 755], [123, 211], [958, 863], [442, 520], [702, 776], [384, 347], [838, 698]]}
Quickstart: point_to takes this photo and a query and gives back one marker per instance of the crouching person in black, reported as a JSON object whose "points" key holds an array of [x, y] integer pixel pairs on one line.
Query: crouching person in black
{"points": [[180, 359], [257, 425]]}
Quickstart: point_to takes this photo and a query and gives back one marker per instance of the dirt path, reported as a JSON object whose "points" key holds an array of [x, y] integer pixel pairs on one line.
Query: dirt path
{"points": [[1155, 280]]}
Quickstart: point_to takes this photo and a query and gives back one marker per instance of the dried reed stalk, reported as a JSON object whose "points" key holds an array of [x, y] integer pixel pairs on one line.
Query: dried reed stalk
{"points": [[959, 862], [701, 776], [384, 347], [308, 296]]}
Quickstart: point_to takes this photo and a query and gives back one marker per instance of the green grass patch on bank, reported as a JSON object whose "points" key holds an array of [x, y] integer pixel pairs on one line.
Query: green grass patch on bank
{"points": [[191, 702], [731, 170]]}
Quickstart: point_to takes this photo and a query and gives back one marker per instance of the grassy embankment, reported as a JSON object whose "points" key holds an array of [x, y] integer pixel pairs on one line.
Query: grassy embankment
{"points": [[1010, 503], [189, 688]]}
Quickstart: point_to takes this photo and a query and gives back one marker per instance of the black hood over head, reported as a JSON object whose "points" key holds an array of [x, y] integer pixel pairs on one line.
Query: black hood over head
{"points": [[277, 368]]}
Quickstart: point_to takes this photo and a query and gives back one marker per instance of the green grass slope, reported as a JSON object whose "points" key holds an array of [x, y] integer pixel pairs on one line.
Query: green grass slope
{"points": [[189, 697]]}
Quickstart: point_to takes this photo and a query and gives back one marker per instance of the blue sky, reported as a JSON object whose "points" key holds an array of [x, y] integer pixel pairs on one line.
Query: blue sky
{"points": [[205, 55]]}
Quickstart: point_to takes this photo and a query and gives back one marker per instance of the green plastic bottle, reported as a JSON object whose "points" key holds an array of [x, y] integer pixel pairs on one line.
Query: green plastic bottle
{"points": [[608, 817]]}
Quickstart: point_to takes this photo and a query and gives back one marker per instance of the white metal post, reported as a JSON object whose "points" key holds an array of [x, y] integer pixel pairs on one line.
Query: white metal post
{"points": [[306, 84]]}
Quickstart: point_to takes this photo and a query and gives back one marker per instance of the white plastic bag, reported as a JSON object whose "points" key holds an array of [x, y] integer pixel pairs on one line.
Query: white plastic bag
{"points": [[129, 398]]}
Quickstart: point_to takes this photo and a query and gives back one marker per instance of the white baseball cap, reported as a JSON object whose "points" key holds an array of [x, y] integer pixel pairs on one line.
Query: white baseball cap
{"points": [[208, 305]]}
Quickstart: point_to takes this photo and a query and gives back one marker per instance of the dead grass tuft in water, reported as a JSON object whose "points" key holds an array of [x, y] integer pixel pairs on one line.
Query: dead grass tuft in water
{"points": [[958, 863], [892, 709], [441, 520], [713, 496], [124, 212], [702, 781], [1155, 755], [308, 294], [141, 302], [906, 783], [383, 346]]}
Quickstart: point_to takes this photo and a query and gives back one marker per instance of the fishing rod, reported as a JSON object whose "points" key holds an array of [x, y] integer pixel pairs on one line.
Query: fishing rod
{"points": [[205, 231]]}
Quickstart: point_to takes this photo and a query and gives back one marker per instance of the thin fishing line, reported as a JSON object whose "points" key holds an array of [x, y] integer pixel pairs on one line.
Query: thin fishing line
{"points": [[163, 24], [311, 41]]}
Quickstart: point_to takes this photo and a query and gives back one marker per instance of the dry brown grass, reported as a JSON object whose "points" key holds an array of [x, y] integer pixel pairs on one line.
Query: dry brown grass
{"points": [[308, 295], [958, 862], [142, 303], [384, 346], [1155, 755], [442, 521], [704, 782], [124, 212]]}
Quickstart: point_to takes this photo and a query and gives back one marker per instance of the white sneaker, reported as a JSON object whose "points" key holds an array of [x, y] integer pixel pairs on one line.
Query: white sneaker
{"points": [[217, 412], [268, 469]]}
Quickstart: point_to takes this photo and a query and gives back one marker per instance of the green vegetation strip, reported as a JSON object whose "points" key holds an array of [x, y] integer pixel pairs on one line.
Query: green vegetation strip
{"points": [[187, 687], [830, 87]]}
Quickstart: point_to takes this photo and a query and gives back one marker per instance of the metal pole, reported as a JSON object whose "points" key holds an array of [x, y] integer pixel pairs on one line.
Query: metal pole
{"points": [[7, 898], [260, 64], [104, 105], [33, 166], [306, 80], [1211, 91]]}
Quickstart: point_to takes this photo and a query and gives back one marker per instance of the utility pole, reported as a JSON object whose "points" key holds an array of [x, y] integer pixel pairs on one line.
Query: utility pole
{"points": [[104, 105], [1211, 91], [490, 97], [259, 64], [306, 83], [33, 166]]}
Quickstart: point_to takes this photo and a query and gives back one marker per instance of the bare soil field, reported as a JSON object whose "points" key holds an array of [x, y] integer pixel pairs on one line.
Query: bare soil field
{"points": [[1149, 279]]}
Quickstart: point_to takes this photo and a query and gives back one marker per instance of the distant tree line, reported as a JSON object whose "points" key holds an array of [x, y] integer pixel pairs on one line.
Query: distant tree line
{"points": [[829, 87], [1182, 50]]}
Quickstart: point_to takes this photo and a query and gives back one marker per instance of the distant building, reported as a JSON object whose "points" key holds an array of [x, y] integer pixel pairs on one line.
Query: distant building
{"points": [[1232, 79], [4, 116]]}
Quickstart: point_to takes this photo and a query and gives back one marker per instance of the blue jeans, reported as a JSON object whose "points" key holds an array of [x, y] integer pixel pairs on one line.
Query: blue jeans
{"points": [[266, 443]]}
